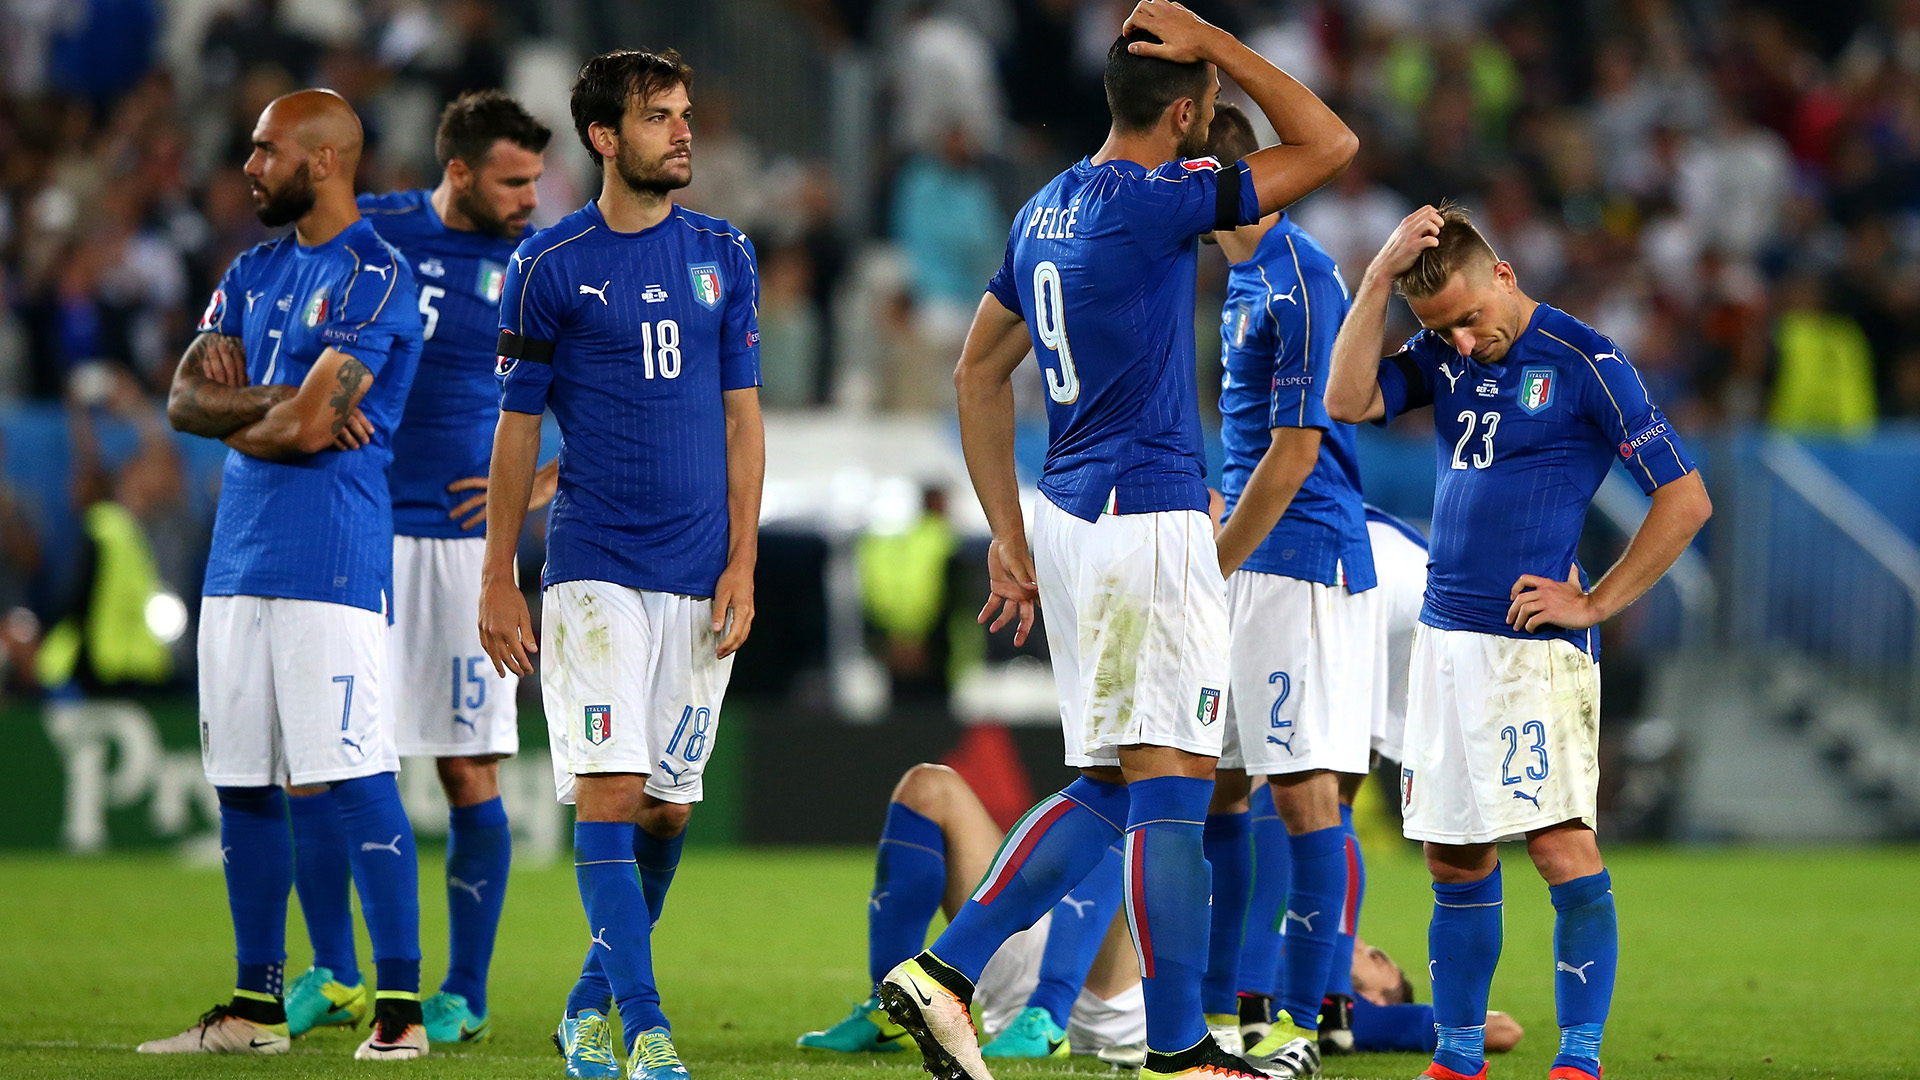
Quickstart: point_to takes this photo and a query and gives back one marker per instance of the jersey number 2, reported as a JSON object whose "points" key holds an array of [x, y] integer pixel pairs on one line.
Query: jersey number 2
{"points": [[1050, 325]]}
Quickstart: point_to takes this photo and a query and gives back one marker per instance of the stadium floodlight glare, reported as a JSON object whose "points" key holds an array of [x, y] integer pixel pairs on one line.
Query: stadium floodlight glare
{"points": [[166, 616]]}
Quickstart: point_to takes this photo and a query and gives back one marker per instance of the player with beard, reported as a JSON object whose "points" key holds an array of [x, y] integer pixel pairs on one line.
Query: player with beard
{"points": [[458, 238], [633, 320], [302, 365]]}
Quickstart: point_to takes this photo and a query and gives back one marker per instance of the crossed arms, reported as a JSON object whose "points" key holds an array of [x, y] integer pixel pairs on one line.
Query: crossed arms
{"points": [[210, 397]]}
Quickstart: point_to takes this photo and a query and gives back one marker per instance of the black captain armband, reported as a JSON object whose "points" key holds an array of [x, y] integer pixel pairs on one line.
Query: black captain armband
{"points": [[513, 348], [1226, 206]]}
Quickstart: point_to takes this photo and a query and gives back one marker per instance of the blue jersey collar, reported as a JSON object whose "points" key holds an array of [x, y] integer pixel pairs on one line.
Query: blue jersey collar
{"points": [[593, 213]]}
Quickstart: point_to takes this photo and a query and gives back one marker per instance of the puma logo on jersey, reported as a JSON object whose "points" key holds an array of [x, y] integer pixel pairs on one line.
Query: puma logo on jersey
{"points": [[1452, 379], [392, 845], [1581, 971], [383, 271], [1288, 296], [251, 297], [518, 258], [601, 292]]}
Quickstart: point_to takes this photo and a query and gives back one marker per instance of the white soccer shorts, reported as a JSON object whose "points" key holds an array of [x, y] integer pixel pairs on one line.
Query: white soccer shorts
{"points": [[1136, 618], [1011, 975], [631, 685], [1400, 565], [1306, 676], [1503, 737], [448, 701], [292, 691]]}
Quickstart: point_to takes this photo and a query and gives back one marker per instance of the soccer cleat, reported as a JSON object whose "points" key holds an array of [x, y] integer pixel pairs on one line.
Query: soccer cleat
{"points": [[930, 999], [1033, 1034], [654, 1057], [586, 1042], [1437, 1071], [399, 1034], [1281, 1032], [449, 1020], [218, 1031], [1226, 1031], [1204, 1060], [1126, 1057], [1256, 1017], [317, 999], [866, 1030], [1571, 1072], [1299, 1059], [1336, 1024]]}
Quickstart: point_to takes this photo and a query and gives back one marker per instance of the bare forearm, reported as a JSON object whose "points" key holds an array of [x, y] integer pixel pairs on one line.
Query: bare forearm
{"points": [[986, 440], [1269, 491], [516, 449], [1353, 381], [746, 476], [199, 405], [1671, 524], [1315, 145]]}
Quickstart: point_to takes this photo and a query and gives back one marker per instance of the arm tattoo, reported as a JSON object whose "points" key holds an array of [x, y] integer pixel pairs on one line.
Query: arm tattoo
{"points": [[353, 375], [200, 406]]}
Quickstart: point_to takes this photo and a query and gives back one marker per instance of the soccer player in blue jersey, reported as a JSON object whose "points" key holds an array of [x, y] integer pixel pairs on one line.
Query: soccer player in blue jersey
{"points": [[458, 238], [302, 366], [1300, 603], [1531, 408], [1098, 282], [634, 321]]}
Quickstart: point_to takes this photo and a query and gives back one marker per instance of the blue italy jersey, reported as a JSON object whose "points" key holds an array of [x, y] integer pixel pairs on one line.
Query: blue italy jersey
{"points": [[447, 432], [1101, 265], [318, 527], [630, 338], [1284, 307], [1522, 446]]}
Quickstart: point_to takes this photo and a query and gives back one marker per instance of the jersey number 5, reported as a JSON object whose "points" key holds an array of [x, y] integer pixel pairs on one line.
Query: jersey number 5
{"points": [[1050, 325]]}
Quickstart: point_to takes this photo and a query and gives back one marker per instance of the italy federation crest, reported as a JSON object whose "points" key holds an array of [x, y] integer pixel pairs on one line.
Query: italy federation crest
{"points": [[493, 281], [316, 312], [599, 723], [1536, 388], [1209, 709], [706, 284]]}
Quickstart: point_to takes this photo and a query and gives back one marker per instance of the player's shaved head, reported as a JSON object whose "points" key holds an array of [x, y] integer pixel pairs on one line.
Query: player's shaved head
{"points": [[306, 148]]}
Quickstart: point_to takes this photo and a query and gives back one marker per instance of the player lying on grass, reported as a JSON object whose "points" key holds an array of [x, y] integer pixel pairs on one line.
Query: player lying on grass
{"points": [[1071, 983]]}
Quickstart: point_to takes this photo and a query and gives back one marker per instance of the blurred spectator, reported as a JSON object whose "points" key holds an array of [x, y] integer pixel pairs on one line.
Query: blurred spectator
{"points": [[946, 217], [1734, 182], [789, 328], [728, 179], [1352, 216], [1824, 380], [904, 585], [943, 76]]}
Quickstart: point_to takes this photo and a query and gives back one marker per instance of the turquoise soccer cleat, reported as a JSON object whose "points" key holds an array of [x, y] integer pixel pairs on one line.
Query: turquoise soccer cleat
{"points": [[654, 1057], [866, 1030], [316, 999], [449, 1020], [586, 1042], [1033, 1034]]}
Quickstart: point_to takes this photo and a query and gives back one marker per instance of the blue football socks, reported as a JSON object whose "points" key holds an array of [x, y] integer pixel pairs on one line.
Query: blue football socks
{"points": [[1229, 850], [1167, 885], [909, 878], [1049, 851], [1080, 922], [1340, 972], [1259, 967], [1586, 953], [387, 873], [479, 853], [1312, 921], [323, 878], [1463, 947], [257, 850], [618, 924], [657, 857]]}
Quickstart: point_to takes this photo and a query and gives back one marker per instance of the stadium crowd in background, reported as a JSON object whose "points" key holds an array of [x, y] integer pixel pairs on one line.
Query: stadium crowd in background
{"points": [[1732, 187]]}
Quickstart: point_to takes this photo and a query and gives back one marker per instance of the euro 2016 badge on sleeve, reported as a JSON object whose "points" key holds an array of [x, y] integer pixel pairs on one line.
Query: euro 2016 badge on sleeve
{"points": [[599, 723], [1536, 389], [706, 284]]}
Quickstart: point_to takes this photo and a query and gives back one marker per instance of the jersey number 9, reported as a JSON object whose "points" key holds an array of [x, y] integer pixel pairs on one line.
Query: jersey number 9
{"points": [[1050, 326]]}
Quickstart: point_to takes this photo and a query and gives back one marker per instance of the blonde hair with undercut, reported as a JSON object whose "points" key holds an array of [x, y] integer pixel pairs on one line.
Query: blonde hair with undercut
{"points": [[1460, 246]]}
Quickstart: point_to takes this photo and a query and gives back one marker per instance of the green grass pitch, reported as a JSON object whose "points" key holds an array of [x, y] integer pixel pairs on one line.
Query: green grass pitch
{"points": [[1734, 964]]}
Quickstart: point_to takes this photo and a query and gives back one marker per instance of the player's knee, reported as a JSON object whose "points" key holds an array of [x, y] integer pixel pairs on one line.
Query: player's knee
{"points": [[469, 781], [1451, 864], [926, 787], [1230, 788], [1565, 852], [666, 820], [1307, 802]]}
